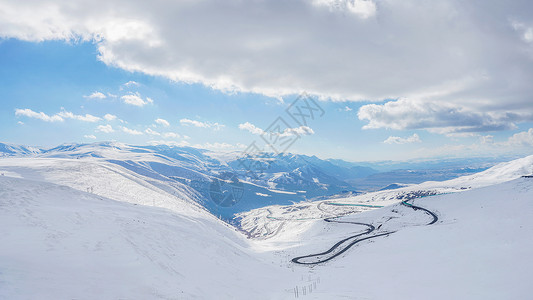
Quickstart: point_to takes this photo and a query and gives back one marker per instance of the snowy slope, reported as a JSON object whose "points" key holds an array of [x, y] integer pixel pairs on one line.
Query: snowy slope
{"points": [[479, 249], [59, 243], [500, 173], [104, 179]]}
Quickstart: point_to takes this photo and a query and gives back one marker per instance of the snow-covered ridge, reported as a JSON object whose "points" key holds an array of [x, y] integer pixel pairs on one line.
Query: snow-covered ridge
{"points": [[500, 173], [183, 173], [12, 150]]}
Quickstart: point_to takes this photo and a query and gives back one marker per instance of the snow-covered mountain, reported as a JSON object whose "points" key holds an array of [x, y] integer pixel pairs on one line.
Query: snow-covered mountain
{"points": [[17, 150], [183, 172], [188, 173], [59, 242]]}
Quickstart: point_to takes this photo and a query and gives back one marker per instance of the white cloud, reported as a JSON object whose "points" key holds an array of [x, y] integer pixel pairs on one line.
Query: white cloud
{"points": [[480, 55], [136, 99], [59, 117], [487, 139], [216, 126], [109, 117], [38, 115], [347, 108], [456, 135], [525, 30], [96, 95], [251, 128], [105, 128], [442, 118], [361, 8], [189, 122], [152, 132], [84, 118], [302, 130], [90, 136], [131, 83], [171, 135], [399, 140], [528, 35], [131, 131], [524, 138], [162, 122], [517, 144]]}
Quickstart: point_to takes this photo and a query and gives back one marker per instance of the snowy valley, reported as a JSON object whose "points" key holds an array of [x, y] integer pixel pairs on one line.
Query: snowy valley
{"points": [[114, 221]]}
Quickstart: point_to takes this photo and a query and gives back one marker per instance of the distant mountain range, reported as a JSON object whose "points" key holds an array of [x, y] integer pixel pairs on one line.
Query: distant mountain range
{"points": [[209, 178], [286, 178]]}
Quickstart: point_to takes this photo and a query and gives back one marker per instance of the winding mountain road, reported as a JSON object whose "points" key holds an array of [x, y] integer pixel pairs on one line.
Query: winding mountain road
{"points": [[432, 214], [345, 244]]}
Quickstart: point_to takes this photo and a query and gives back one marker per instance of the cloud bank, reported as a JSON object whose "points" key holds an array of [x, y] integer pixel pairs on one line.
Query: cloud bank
{"points": [[439, 117], [472, 59], [58, 117]]}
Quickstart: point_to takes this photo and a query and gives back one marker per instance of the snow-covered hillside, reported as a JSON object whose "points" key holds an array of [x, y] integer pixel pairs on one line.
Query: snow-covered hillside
{"points": [[479, 248], [63, 243], [177, 172], [60, 243]]}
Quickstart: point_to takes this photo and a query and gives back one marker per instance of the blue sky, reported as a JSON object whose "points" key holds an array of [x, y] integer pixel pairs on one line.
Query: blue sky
{"points": [[141, 80]]}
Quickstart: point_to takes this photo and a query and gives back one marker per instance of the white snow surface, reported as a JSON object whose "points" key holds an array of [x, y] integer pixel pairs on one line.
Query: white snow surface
{"points": [[104, 179], [58, 241]]}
